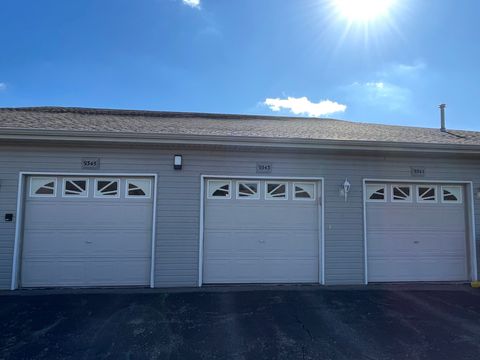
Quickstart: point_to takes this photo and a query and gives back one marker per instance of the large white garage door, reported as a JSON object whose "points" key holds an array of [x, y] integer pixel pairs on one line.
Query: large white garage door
{"points": [[416, 232], [87, 231], [261, 231]]}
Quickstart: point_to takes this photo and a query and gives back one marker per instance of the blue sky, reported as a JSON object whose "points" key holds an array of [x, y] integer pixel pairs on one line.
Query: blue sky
{"points": [[251, 57]]}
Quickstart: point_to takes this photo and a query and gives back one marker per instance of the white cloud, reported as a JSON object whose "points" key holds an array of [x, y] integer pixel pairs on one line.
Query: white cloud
{"points": [[192, 3], [3, 86], [303, 106]]}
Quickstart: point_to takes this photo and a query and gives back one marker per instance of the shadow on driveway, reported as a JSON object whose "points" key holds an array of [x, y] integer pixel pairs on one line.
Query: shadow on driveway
{"points": [[305, 323]]}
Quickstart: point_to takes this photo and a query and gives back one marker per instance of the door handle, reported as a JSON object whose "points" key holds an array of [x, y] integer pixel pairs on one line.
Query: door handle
{"points": [[88, 242]]}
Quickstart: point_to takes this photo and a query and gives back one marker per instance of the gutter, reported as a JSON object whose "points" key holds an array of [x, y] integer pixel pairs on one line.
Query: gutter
{"points": [[231, 141]]}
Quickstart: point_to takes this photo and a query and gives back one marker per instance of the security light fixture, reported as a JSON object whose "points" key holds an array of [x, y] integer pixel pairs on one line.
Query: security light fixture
{"points": [[177, 162]]}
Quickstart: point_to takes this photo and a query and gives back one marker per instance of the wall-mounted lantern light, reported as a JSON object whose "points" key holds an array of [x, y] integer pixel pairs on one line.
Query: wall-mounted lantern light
{"points": [[177, 162], [345, 189], [478, 193]]}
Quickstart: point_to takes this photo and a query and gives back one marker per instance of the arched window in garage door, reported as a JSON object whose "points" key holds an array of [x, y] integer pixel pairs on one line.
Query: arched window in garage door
{"points": [[43, 186], [452, 194], [138, 188]]}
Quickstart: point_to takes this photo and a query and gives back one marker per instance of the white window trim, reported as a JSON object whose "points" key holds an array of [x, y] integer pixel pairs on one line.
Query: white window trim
{"points": [[219, 197], [422, 201], [409, 200], [459, 201], [75, 179], [138, 196], [385, 196], [100, 196], [314, 195], [237, 191], [276, 198], [54, 179]]}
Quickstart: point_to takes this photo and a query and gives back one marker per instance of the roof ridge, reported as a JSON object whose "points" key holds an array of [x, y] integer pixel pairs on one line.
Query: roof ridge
{"points": [[154, 113]]}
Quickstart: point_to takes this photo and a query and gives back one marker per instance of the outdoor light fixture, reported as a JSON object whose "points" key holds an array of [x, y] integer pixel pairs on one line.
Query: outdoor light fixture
{"points": [[177, 162], [345, 189], [478, 193]]}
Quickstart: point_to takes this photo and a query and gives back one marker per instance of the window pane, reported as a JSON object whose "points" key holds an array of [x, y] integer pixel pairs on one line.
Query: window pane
{"points": [[44, 191], [107, 188], [219, 189], [427, 194], [304, 190], [43, 186], [452, 194], [401, 193], [139, 187], [75, 187], [276, 191], [247, 190], [376, 192]]}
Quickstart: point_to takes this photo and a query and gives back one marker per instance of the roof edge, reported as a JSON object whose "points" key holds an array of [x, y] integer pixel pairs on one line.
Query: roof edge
{"points": [[266, 142]]}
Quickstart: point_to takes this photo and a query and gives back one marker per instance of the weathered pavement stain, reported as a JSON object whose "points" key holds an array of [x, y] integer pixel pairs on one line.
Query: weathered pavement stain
{"points": [[266, 324]]}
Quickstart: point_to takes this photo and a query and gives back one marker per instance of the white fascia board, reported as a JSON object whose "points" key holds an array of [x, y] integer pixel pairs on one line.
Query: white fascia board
{"points": [[266, 142]]}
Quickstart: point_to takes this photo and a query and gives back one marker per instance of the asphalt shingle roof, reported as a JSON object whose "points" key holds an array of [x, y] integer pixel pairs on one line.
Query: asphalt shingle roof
{"points": [[197, 124]]}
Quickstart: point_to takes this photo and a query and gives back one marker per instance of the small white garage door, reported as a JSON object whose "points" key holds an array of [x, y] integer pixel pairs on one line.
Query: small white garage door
{"points": [[261, 231], [87, 231], [416, 232]]}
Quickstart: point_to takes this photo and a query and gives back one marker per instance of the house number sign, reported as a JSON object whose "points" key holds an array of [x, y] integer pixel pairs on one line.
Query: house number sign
{"points": [[417, 171], [90, 163], [264, 168]]}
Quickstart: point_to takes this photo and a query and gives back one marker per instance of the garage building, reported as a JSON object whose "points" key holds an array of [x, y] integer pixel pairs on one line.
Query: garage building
{"points": [[100, 198]]}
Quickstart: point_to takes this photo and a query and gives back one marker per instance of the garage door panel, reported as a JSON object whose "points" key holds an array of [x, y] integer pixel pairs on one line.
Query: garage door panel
{"points": [[261, 241], [42, 273], [428, 217], [407, 241], [417, 269], [65, 242], [83, 216], [263, 216]]}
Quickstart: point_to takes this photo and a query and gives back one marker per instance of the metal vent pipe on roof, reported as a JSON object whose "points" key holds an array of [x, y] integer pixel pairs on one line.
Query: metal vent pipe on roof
{"points": [[442, 117]]}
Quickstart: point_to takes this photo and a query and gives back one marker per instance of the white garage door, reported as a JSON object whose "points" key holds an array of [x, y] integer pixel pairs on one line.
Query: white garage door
{"points": [[416, 232], [261, 231], [87, 231]]}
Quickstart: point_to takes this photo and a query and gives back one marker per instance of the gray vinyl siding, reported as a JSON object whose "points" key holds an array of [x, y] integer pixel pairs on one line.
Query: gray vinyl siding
{"points": [[178, 196]]}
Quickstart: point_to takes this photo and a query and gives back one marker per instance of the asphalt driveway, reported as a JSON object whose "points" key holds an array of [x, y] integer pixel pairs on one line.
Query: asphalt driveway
{"points": [[285, 323]]}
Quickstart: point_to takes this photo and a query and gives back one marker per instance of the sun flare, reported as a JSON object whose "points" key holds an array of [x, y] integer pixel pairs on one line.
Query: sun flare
{"points": [[363, 10]]}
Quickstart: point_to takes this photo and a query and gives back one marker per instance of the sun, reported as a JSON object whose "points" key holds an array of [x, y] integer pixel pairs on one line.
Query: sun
{"points": [[363, 10]]}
